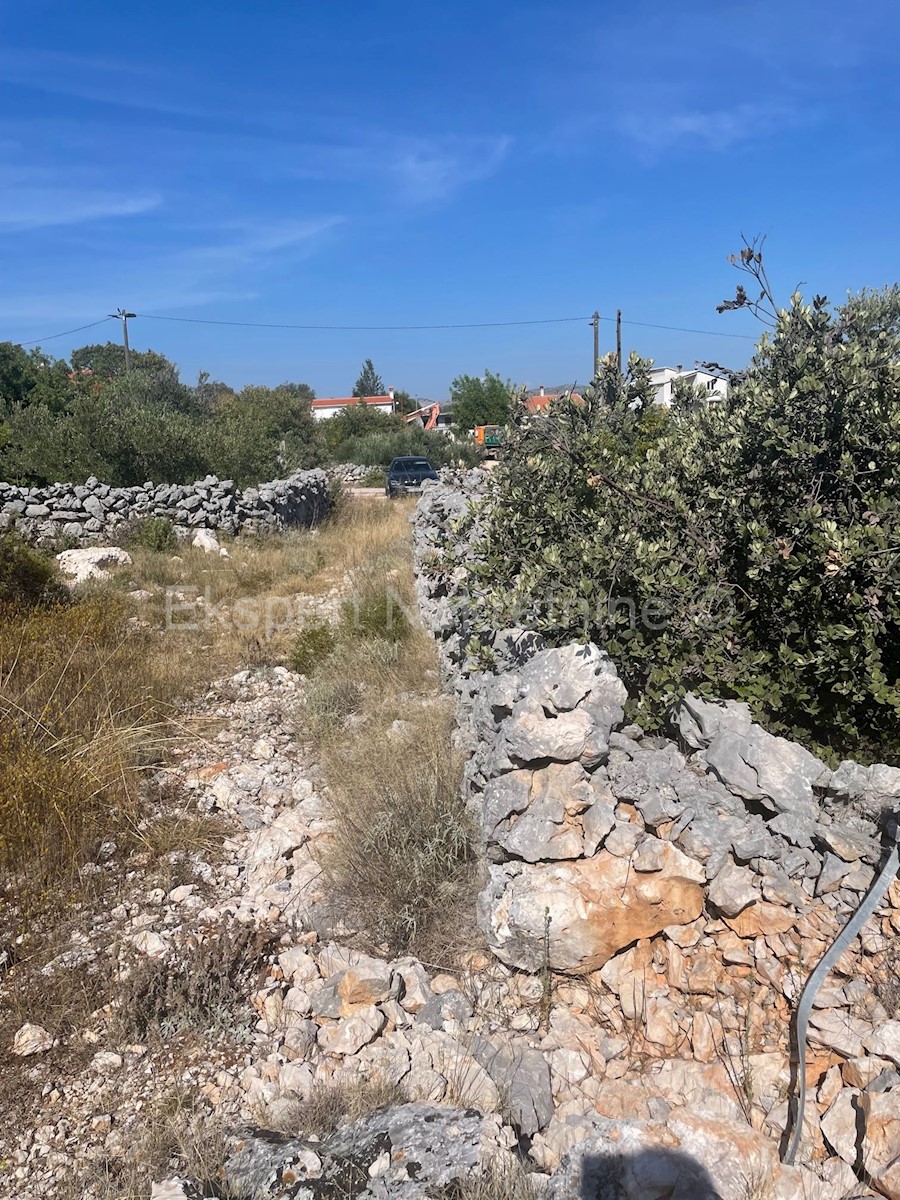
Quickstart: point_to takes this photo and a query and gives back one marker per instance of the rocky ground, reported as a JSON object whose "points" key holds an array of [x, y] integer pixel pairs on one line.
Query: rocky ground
{"points": [[621, 1034]]}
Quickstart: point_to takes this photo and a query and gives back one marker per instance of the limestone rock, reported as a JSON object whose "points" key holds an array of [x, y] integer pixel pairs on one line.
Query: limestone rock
{"points": [[418, 1149], [839, 1031], [522, 1076], [881, 1144], [546, 814], [415, 991], [840, 1125], [885, 1041], [561, 705], [173, 1189], [206, 540], [347, 991], [595, 907], [732, 890], [91, 562], [31, 1039], [352, 1033]]}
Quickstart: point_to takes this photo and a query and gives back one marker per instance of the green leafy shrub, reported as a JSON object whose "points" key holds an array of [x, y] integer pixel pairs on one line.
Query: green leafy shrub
{"points": [[314, 643], [373, 478], [153, 533], [26, 576], [745, 549]]}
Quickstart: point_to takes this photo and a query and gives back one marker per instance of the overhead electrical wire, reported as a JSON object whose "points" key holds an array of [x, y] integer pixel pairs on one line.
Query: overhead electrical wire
{"points": [[50, 336], [467, 325], [362, 328], [389, 328]]}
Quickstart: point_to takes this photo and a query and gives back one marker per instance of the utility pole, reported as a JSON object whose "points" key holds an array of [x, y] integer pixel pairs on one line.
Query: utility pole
{"points": [[123, 317], [619, 339], [595, 321]]}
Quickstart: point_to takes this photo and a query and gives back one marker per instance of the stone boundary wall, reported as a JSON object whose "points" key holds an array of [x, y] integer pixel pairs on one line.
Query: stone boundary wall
{"points": [[688, 883], [92, 511]]}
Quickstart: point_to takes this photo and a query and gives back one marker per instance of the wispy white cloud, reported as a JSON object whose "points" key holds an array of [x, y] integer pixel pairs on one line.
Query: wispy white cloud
{"points": [[434, 171], [411, 170], [655, 130], [123, 83], [228, 266], [255, 243], [27, 208]]}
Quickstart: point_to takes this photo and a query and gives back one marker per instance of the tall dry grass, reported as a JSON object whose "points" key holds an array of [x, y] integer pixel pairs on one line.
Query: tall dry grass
{"points": [[90, 686], [85, 700], [400, 861]]}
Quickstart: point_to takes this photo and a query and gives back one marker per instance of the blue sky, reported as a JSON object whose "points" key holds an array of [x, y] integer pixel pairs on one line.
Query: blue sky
{"points": [[415, 163]]}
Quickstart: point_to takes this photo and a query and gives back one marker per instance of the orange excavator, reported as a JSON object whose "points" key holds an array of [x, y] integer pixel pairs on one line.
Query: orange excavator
{"points": [[428, 416]]}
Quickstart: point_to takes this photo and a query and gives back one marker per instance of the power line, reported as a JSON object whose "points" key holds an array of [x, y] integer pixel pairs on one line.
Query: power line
{"points": [[65, 333], [468, 325], [679, 329], [393, 328], [363, 328]]}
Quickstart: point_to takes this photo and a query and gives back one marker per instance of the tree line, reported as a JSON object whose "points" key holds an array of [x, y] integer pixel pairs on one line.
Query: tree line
{"points": [[65, 420]]}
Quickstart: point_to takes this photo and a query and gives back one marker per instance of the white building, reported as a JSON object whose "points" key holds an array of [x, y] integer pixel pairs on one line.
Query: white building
{"points": [[664, 377], [325, 408]]}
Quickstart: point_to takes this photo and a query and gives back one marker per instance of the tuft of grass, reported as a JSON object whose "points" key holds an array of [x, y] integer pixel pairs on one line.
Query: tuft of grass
{"points": [[327, 705], [330, 1105], [402, 850], [311, 647], [502, 1180], [172, 1136], [375, 610], [887, 979], [84, 702], [401, 857]]}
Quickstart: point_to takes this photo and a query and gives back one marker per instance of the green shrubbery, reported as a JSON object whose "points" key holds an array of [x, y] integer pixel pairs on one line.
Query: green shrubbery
{"points": [[312, 645], [58, 424], [363, 435], [26, 576], [153, 533], [746, 549]]}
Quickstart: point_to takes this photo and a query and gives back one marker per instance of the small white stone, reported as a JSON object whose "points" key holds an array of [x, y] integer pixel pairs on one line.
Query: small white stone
{"points": [[380, 1166], [308, 1164], [168, 1189], [31, 1039], [106, 1062], [206, 540], [151, 944]]}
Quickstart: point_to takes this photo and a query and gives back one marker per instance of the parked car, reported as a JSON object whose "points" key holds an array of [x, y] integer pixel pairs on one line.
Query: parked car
{"points": [[407, 475]]}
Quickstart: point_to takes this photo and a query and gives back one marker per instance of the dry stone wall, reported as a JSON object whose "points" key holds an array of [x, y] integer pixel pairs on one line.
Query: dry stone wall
{"points": [[92, 511], [685, 886]]}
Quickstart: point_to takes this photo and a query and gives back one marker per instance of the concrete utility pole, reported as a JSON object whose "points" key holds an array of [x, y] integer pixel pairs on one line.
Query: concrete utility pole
{"points": [[123, 317], [619, 339], [595, 321]]}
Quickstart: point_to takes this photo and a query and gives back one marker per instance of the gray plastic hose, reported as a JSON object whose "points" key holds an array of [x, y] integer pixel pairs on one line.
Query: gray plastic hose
{"points": [[854, 926]]}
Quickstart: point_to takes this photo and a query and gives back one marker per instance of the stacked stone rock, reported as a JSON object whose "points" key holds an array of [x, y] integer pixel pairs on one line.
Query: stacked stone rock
{"points": [[683, 888], [92, 511], [349, 473]]}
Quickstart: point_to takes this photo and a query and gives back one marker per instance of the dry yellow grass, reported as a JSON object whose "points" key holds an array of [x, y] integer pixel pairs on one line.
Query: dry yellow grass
{"points": [[174, 1136], [330, 1105], [400, 861], [90, 690], [85, 700]]}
